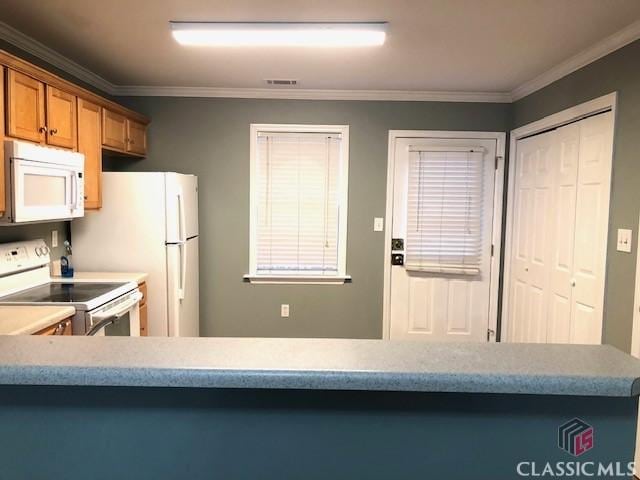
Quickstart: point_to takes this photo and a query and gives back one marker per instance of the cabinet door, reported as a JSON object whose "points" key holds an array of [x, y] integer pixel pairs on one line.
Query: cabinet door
{"points": [[113, 130], [90, 144], [61, 118], [143, 321], [25, 107], [61, 328], [136, 138], [2, 193]]}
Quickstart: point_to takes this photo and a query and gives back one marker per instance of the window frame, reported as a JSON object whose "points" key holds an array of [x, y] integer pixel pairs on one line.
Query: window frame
{"points": [[341, 277]]}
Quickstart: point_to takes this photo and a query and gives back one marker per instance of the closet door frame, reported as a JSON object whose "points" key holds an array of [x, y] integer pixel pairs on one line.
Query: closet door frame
{"points": [[573, 114]]}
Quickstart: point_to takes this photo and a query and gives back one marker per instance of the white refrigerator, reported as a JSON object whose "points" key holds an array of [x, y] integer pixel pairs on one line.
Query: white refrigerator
{"points": [[148, 223]]}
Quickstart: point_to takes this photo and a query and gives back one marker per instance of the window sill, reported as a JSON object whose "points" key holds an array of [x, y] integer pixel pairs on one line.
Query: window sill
{"points": [[298, 279]]}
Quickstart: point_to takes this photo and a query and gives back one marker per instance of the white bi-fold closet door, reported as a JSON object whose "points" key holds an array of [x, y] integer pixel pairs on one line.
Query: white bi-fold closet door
{"points": [[559, 234]]}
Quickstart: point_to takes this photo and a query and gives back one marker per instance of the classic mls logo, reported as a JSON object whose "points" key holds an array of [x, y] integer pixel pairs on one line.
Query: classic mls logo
{"points": [[575, 437]]}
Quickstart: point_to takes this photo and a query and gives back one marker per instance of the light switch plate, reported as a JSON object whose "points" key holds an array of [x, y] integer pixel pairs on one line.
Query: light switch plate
{"points": [[624, 240], [284, 310], [378, 224], [54, 238]]}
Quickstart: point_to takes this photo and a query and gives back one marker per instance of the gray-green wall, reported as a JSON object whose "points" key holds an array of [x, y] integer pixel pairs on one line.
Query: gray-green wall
{"points": [[619, 71], [210, 138]]}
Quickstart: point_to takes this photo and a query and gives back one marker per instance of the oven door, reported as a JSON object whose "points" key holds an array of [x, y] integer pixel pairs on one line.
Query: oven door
{"points": [[121, 317], [46, 191]]}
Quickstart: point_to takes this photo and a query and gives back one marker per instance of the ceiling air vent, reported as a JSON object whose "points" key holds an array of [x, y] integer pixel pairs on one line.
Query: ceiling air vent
{"points": [[280, 82]]}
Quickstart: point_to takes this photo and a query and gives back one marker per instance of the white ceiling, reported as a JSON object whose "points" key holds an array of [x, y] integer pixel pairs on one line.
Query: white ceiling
{"points": [[432, 45]]}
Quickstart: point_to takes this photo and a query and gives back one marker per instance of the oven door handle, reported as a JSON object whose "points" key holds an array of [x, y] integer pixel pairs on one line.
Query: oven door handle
{"points": [[110, 318], [104, 323]]}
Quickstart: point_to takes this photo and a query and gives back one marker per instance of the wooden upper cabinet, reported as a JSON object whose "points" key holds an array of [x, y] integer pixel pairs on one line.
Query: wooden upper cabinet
{"points": [[114, 130], [136, 138], [61, 118], [25, 107], [90, 144]]}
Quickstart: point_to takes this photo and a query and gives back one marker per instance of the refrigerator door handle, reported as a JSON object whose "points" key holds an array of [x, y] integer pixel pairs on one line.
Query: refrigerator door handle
{"points": [[182, 219], [183, 269], [182, 244]]}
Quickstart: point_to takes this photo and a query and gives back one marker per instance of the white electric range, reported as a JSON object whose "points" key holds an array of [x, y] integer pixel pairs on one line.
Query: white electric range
{"points": [[102, 308]]}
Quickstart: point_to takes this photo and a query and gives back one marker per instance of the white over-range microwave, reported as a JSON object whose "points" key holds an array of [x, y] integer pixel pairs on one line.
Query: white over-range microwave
{"points": [[42, 183]]}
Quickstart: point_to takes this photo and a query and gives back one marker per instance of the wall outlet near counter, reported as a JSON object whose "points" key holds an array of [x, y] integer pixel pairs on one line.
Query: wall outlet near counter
{"points": [[54, 238], [378, 224], [284, 310]]}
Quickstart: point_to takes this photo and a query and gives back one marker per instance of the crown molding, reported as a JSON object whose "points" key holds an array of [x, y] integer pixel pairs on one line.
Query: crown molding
{"points": [[315, 94], [41, 51], [601, 49]]}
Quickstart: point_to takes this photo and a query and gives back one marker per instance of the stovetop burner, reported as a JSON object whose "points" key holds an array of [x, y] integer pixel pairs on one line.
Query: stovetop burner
{"points": [[80, 292]]}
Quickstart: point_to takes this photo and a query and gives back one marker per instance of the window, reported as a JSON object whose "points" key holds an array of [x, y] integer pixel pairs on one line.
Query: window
{"points": [[299, 177], [444, 211]]}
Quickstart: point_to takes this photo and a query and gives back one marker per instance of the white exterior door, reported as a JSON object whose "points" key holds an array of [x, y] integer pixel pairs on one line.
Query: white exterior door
{"points": [[559, 235], [446, 297]]}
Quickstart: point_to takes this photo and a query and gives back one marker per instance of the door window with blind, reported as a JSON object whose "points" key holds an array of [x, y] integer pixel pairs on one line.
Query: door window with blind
{"points": [[444, 210], [299, 177]]}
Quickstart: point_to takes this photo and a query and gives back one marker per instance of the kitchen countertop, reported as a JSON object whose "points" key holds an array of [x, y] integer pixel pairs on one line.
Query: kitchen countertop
{"points": [[25, 320], [321, 364], [137, 277]]}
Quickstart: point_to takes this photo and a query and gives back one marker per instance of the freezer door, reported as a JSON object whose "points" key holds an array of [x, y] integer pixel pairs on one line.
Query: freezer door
{"points": [[184, 299], [181, 207]]}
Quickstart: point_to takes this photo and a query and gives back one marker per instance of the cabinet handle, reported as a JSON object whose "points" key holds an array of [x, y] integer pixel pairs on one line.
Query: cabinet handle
{"points": [[59, 329], [43, 129], [53, 131]]}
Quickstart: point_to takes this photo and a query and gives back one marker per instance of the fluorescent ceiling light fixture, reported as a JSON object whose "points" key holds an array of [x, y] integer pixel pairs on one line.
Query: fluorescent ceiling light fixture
{"points": [[279, 34]]}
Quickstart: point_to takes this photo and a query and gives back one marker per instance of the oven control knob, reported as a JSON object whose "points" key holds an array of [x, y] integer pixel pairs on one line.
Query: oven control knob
{"points": [[45, 250], [38, 251]]}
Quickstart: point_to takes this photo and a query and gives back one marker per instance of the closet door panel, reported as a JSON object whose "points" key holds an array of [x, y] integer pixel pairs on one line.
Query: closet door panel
{"points": [[567, 144], [592, 215], [532, 234]]}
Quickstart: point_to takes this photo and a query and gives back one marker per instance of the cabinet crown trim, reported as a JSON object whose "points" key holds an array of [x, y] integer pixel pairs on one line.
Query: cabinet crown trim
{"points": [[19, 65]]}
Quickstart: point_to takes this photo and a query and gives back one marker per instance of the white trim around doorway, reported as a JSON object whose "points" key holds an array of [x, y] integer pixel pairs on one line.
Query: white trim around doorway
{"points": [[500, 138], [601, 104]]}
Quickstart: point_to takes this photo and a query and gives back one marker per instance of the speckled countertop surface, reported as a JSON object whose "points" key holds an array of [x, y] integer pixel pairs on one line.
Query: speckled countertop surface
{"points": [[27, 319], [319, 364]]}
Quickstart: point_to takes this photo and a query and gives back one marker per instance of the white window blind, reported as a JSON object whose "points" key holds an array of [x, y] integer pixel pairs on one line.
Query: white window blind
{"points": [[298, 202], [444, 211]]}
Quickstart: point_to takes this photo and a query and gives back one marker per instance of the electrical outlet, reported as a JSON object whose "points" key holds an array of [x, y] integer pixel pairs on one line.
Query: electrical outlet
{"points": [[54, 238], [378, 224], [284, 310]]}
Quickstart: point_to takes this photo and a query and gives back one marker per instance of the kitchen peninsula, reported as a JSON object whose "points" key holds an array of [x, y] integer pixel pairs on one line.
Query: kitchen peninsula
{"points": [[303, 408]]}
